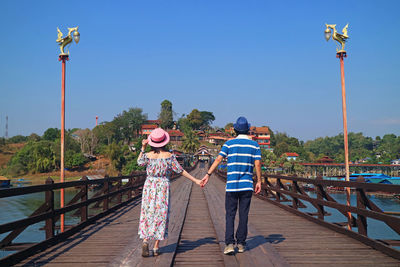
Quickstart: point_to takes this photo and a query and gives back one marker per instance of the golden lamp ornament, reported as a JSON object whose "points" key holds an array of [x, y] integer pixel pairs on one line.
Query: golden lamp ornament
{"points": [[64, 41], [341, 38]]}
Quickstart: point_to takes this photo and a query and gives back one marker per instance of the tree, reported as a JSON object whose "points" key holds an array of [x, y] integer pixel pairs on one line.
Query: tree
{"points": [[207, 118], [228, 126], [166, 115], [87, 140], [194, 118], [104, 132], [115, 153], [52, 134], [190, 142], [128, 124], [17, 139], [281, 148], [34, 137]]}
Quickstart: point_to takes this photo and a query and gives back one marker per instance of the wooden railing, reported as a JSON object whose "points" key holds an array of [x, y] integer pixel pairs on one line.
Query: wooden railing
{"points": [[294, 194], [112, 196]]}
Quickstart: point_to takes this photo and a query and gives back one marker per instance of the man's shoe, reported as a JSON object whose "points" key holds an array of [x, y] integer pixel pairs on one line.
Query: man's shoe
{"points": [[229, 249], [241, 248]]}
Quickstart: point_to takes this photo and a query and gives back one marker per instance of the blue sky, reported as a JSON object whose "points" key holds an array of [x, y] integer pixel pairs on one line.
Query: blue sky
{"points": [[266, 60]]}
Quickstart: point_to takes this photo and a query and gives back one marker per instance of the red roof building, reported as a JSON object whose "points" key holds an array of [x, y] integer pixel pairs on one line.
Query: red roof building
{"points": [[175, 135], [146, 129], [261, 136], [291, 155]]}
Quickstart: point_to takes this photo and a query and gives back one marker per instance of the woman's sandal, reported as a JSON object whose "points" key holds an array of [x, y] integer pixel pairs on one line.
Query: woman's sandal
{"points": [[145, 249], [156, 252]]}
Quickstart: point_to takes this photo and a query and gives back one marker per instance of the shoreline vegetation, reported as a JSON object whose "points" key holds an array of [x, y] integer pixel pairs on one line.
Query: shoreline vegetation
{"points": [[112, 147]]}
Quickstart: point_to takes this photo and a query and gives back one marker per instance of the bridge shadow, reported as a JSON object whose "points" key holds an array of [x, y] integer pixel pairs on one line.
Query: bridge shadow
{"points": [[186, 245], [259, 240], [82, 236]]}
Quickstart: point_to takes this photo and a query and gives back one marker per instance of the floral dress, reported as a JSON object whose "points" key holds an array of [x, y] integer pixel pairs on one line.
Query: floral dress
{"points": [[154, 214]]}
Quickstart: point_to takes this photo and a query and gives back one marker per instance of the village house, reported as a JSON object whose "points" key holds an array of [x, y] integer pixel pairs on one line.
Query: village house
{"points": [[261, 136], [218, 138], [395, 162], [148, 126], [176, 137], [291, 155]]}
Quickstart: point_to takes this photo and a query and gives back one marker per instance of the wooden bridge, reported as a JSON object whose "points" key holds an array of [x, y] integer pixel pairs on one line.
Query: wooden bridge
{"points": [[279, 233]]}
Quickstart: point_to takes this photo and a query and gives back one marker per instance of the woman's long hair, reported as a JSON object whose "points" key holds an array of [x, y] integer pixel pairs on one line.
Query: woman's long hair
{"points": [[157, 150]]}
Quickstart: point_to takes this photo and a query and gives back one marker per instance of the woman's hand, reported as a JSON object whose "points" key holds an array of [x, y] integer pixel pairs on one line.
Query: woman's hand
{"points": [[198, 182], [144, 144]]}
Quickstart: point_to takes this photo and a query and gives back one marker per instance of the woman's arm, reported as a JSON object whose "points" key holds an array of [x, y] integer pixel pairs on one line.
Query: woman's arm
{"points": [[190, 177], [141, 161]]}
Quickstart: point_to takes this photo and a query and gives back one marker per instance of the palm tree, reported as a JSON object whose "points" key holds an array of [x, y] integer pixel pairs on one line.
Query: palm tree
{"points": [[190, 142]]}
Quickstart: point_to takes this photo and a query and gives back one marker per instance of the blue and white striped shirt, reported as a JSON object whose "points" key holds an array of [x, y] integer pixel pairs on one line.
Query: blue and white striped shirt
{"points": [[241, 153]]}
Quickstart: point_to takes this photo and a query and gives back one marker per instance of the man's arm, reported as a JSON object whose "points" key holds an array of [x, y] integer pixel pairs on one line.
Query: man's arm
{"points": [[257, 165], [211, 170]]}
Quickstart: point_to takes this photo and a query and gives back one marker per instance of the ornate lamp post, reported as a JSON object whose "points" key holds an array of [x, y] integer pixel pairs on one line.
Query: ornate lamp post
{"points": [[341, 54], [63, 41]]}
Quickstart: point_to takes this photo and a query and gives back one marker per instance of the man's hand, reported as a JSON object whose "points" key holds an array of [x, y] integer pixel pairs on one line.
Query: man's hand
{"points": [[257, 190], [204, 181]]}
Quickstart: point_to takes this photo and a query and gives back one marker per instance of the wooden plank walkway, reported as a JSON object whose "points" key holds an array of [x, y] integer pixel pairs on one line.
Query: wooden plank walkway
{"points": [[196, 237], [302, 242]]}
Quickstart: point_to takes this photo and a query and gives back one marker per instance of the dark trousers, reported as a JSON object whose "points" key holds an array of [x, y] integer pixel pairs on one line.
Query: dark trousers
{"points": [[232, 199]]}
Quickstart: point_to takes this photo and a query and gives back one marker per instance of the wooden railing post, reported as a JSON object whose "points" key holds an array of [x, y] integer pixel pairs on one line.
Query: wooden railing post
{"points": [[130, 184], [119, 184], [49, 198], [106, 191], [320, 189], [277, 194], [295, 201], [361, 220], [84, 209]]}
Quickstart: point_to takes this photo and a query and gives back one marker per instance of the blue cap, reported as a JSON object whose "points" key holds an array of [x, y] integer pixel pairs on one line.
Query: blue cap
{"points": [[241, 125]]}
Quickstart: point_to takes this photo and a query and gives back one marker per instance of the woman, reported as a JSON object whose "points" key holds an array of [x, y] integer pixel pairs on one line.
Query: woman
{"points": [[159, 164]]}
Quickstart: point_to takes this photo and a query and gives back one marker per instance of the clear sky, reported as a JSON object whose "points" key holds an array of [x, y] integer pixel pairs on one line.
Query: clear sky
{"points": [[266, 60]]}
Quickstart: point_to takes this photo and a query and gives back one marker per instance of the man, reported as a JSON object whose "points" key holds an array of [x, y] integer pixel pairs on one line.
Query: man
{"points": [[243, 155]]}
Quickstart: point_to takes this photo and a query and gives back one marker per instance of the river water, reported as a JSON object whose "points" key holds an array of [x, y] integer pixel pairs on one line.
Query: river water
{"points": [[19, 207]]}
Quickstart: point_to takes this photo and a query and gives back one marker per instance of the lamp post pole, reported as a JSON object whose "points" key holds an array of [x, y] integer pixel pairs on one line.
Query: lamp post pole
{"points": [[341, 56], [63, 57], [341, 38]]}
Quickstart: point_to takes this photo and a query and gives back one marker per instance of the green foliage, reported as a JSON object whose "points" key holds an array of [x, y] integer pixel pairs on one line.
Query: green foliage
{"points": [[166, 115], [190, 142], [52, 134], [17, 139], [104, 132], [35, 157], [360, 147], [207, 118], [194, 118], [127, 125], [228, 126], [34, 137], [44, 156], [74, 160], [115, 152]]}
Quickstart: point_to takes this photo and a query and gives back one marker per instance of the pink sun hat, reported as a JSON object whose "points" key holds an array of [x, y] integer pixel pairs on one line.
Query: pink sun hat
{"points": [[158, 138]]}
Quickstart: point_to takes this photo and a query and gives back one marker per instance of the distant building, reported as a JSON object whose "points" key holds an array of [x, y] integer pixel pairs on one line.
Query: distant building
{"points": [[218, 138], [176, 136], [146, 129], [261, 136], [148, 126], [395, 162], [201, 135], [291, 155], [325, 159]]}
